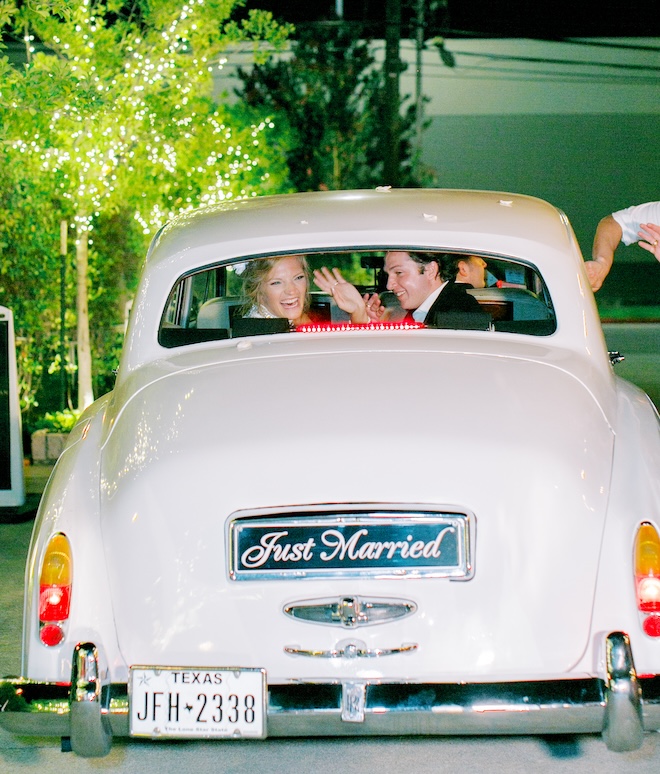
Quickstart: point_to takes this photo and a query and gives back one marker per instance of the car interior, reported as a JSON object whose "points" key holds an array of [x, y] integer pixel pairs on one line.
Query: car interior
{"points": [[212, 304]]}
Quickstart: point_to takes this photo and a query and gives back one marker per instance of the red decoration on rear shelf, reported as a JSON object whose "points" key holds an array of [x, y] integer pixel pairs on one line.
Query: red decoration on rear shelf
{"points": [[349, 326]]}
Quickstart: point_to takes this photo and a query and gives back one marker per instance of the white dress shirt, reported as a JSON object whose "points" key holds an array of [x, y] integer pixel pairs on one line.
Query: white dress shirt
{"points": [[419, 315]]}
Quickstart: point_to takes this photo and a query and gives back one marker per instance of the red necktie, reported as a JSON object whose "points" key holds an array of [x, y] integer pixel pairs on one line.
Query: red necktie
{"points": [[409, 316]]}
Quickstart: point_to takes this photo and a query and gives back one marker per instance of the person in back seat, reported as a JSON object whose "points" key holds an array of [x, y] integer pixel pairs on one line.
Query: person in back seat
{"points": [[425, 284], [468, 270], [279, 287], [362, 309], [428, 284]]}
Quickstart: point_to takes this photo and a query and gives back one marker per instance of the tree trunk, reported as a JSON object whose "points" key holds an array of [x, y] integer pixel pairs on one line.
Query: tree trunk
{"points": [[85, 391], [392, 66]]}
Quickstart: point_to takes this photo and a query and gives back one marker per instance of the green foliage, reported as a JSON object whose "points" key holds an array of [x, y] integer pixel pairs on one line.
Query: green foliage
{"points": [[236, 152], [117, 243], [351, 268], [30, 266], [332, 93], [609, 310], [58, 421], [112, 126]]}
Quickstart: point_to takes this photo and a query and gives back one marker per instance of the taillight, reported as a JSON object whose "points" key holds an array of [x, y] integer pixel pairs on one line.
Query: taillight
{"points": [[647, 577], [55, 590]]}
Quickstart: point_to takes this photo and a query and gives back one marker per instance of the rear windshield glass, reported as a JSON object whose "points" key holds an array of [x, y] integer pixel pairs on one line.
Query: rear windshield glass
{"points": [[348, 290]]}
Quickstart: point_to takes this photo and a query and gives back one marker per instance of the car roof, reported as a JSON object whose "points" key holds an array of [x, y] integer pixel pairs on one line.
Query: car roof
{"points": [[458, 219]]}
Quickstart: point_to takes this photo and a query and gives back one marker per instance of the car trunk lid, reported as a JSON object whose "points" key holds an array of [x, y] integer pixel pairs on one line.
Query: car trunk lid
{"points": [[519, 446]]}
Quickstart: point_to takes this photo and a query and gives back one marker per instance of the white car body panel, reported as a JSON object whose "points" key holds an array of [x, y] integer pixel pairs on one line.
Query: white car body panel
{"points": [[150, 505], [552, 457]]}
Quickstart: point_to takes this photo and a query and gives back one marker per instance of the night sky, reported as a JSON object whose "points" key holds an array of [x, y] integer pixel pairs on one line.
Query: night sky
{"points": [[500, 18]]}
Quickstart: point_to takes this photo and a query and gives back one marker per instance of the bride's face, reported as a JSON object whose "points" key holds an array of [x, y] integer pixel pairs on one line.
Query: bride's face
{"points": [[285, 288]]}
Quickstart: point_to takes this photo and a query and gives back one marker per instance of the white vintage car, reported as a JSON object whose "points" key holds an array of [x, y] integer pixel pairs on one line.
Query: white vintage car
{"points": [[341, 528]]}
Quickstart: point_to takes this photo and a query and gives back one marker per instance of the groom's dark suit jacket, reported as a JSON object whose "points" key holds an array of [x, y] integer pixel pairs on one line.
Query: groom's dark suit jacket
{"points": [[453, 298]]}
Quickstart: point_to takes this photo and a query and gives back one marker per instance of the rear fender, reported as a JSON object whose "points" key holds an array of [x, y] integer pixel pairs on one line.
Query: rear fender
{"points": [[70, 504]]}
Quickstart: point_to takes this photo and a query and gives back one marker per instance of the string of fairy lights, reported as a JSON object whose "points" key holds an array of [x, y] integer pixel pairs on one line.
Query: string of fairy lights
{"points": [[109, 127]]}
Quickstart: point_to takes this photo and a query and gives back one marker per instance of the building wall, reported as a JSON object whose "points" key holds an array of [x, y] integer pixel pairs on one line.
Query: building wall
{"points": [[587, 165], [577, 124]]}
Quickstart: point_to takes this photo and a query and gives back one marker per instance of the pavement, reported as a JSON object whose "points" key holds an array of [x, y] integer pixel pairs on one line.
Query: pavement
{"points": [[15, 531], [35, 477]]}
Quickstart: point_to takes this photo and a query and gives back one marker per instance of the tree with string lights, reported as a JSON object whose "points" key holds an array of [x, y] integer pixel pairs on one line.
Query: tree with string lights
{"points": [[337, 102], [115, 103]]}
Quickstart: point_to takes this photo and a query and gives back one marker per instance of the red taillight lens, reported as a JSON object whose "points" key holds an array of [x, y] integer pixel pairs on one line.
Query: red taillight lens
{"points": [[55, 589], [651, 625], [54, 600], [51, 634]]}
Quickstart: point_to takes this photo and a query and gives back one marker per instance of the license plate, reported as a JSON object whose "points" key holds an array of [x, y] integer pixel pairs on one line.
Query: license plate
{"points": [[188, 702]]}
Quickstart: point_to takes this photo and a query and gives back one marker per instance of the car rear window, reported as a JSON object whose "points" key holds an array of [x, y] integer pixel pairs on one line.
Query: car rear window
{"points": [[227, 300]]}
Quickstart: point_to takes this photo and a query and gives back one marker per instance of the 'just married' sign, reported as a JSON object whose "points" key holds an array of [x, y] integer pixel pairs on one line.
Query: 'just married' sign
{"points": [[343, 545]]}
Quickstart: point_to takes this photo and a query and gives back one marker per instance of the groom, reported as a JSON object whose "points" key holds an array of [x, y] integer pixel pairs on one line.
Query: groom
{"points": [[417, 279], [430, 284]]}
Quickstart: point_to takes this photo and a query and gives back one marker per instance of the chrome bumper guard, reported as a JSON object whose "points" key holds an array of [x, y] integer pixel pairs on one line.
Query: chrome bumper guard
{"points": [[621, 707]]}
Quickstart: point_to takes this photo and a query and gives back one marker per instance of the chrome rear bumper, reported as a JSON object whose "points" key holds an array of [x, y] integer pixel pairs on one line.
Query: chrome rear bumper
{"points": [[621, 707]]}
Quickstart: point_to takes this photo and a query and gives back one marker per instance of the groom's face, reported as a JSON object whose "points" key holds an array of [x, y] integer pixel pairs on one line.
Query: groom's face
{"points": [[411, 282]]}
